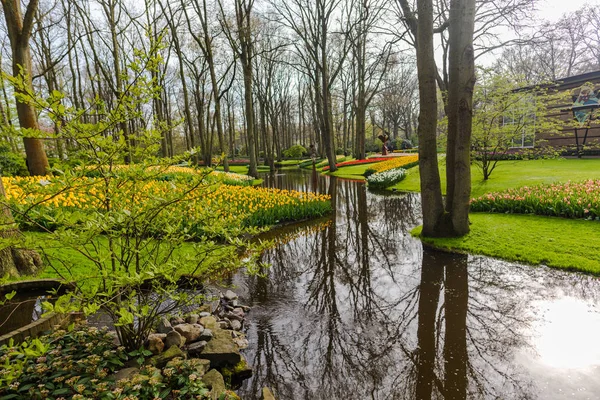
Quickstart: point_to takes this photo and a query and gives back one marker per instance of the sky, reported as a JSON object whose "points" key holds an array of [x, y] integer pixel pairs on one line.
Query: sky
{"points": [[553, 9]]}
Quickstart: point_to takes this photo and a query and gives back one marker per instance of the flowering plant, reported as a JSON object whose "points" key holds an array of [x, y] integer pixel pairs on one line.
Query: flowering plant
{"points": [[570, 200], [385, 179]]}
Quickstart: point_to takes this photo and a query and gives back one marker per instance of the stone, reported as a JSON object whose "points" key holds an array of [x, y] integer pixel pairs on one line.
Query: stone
{"points": [[192, 319], [191, 332], [239, 311], [174, 338], [224, 324], [236, 325], [209, 322], [125, 373], [230, 295], [155, 344], [241, 342], [163, 358], [231, 316], [196, 348], [215, 382], [238, 372], [221, 350], [267, 394], [245, 308], [161, 336], [164, 326], [177, 321], [203, 314], [206, 335]]}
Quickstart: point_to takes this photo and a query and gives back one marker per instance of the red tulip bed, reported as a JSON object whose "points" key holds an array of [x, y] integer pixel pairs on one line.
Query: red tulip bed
{"points": [[358, 162], [569, 200]]}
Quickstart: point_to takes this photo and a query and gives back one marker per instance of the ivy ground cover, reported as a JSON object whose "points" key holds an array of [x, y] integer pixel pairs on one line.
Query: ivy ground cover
{"points": [[569, 200]]}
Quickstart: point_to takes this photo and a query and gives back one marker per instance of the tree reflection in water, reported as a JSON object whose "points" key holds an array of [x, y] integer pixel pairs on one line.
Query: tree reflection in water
{"points": [[359, 310]]}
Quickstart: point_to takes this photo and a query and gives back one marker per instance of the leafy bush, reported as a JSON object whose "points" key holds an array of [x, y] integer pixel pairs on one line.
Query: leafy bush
{"points": [[386, 179], [569, 200], [78, 364], [296, 151], [11, 164]]}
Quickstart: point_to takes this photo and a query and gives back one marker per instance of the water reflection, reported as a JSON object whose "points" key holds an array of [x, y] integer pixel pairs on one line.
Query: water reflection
{"points": [[357, 309]]}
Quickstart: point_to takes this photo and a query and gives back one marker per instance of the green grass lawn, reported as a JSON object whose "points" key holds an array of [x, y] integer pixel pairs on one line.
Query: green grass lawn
{"points": [[73, 265], [555, 242], [513, 174], [352, 171]]}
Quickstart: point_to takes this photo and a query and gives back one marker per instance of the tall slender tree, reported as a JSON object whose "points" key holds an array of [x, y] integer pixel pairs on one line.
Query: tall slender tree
{"points": [[19, 29]]}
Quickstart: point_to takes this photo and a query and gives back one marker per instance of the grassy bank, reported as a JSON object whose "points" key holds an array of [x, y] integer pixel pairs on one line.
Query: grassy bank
{"points": [[555, 242], [513, 174]]}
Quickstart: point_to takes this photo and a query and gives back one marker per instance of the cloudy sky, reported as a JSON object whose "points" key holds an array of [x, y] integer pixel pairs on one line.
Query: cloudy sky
{"points": [[553, 9]]}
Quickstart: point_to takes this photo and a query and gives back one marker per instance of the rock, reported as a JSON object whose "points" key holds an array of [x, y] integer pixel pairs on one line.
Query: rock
{"points": [[245, 308], [224, 324], [125, 373], [174, 338], [238, 372], [155, 344], [230, 295], [231, 316], [161, 336], [221, 350], [209, 322], [163, 358], [203, 314], [192, 319], [234, 303], [267, 394], [236, 325], [239, 311], [206, 335], [164, 326], [241, 342], [196, 348], [215, 382], [191, 332], [177, 321]]}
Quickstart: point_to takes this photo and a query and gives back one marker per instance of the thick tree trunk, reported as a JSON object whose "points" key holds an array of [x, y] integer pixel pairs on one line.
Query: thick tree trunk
{"points": [[431, 192], [460, 113], [19, 31]]}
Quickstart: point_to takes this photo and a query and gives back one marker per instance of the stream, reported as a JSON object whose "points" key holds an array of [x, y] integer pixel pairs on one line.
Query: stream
{"points": [[353, 307]]}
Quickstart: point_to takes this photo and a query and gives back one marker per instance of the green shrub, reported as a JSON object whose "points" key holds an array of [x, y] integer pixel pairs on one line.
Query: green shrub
{"points": [[12, 164], [296, 151]]}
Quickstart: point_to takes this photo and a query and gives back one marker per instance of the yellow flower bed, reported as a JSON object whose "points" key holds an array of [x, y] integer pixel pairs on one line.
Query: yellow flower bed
{"points": [[395, 162], [247, 205]]}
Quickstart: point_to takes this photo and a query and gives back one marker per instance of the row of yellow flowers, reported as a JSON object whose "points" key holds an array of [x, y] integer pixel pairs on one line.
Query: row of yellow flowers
{"points": [[247, 205], [395, 162]]}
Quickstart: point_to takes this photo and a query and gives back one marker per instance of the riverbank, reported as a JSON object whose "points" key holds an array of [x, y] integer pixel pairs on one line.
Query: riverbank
{"points": [[572, 245]]}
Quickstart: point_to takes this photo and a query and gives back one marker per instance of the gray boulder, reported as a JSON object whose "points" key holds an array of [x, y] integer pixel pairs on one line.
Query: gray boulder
{"points": [[191, 332], [174, 338], [196, 348], [230, 295], [164, 326]]}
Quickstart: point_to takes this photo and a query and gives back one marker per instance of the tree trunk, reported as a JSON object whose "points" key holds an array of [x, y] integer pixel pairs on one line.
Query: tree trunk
{"points": [[19, 31], [460, 113], [431, 192]]}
